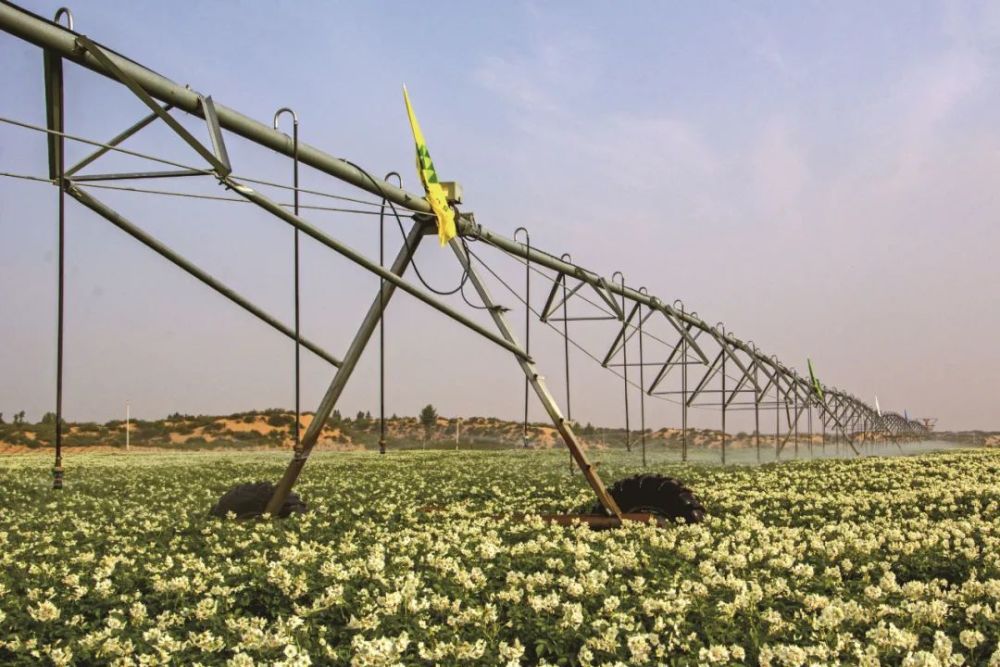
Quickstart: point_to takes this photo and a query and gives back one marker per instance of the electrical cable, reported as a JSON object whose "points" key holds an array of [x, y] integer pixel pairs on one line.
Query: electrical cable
{"points": [[206, 172]]}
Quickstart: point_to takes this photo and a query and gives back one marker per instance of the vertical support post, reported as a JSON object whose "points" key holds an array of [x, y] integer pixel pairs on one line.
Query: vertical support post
{"points": [[823, 422], [756, 402], [777, 416], [381, 335], [343, 374], [527, 327], [628, 429], [795, 407], [295, 271], [565, 318], [836, 431], [531, 372], [756, 422], [54, 112], [809, 416], [724, 409], [381, 323], [642, 385], [684, 397]]}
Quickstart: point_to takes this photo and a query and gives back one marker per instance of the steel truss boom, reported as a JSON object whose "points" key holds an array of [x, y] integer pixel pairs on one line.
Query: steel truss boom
{"points": [[619, 302], [67, 44]]}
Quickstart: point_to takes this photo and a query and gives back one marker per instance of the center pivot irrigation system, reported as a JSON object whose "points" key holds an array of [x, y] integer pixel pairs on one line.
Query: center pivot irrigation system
{"points": [[729, 373]]}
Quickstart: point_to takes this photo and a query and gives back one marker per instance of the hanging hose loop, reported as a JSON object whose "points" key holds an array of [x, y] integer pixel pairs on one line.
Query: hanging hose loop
{"points": [[284, 110], [527, 324], [64, 11]]}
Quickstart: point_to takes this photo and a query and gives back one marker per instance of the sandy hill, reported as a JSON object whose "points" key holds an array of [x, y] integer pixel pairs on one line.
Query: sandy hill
{"points": [[273, 429]]}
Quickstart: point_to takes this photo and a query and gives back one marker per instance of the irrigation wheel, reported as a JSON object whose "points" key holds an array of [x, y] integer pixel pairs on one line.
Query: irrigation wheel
{"points": [[661, 496], [248, 501]]}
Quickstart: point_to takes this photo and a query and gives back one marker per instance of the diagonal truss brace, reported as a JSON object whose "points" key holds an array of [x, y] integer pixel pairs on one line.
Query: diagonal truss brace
{"points": [[116, 140], [295, 221], [150, 242], [218, 160], [670, 363], [375, 312], [538, 384]]}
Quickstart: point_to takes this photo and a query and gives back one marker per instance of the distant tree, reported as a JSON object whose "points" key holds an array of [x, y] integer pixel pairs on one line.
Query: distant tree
{"points": [[428, 419], [588, 429], [335, 419], [1, 418], [49, 419]]}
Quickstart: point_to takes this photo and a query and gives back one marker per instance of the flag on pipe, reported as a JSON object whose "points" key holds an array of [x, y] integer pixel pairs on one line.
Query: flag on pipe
{"points": [[817, 387], [436, 196], [877, 408]]}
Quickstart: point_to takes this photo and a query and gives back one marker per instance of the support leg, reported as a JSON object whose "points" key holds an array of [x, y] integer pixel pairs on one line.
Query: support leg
{"points": [[531, 372], [361, 338], [54, 118]]}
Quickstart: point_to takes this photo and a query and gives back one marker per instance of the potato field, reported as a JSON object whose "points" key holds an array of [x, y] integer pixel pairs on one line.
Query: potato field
{"points": [[873, 561]]}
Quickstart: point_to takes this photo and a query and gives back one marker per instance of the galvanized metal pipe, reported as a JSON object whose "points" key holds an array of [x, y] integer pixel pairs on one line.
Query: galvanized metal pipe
{"points": [[50, 35], [55, 113], [295, 267], [64, 43], [541, 390]]}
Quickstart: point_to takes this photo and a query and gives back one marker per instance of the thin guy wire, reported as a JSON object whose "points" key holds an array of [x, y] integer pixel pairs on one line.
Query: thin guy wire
{"points": [[146, 156], [186, 195]]}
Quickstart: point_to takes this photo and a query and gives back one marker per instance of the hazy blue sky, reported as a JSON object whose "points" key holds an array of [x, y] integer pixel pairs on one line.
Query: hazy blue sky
{"points": [[820, 176]]}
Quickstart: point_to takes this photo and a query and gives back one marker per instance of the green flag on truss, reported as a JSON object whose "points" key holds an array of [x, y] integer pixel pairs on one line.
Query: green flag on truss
{"points": [[817, 387]]}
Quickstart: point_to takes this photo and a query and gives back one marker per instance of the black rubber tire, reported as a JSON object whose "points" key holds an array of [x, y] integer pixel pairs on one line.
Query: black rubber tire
{"points": [[248, 501], [661, 496]]}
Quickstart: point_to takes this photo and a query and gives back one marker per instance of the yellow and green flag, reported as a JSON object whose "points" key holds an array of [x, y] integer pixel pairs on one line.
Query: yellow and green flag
{"points": [[436, 196], [817, 387]]}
